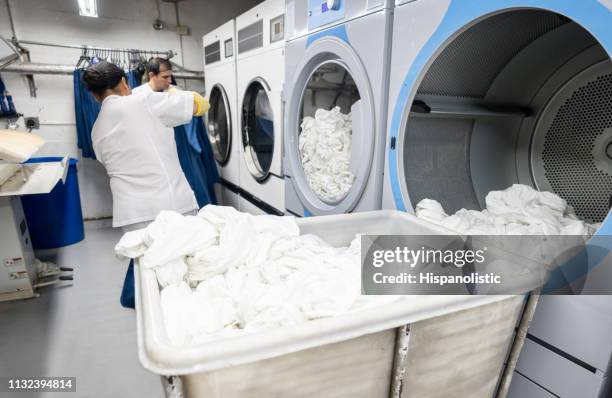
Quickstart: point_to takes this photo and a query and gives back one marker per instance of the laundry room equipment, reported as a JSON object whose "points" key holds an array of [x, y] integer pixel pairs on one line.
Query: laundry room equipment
{"points": [[222, 119], [19, 275], [484, 95], [337, 56], [453, 346], [260, 78]]}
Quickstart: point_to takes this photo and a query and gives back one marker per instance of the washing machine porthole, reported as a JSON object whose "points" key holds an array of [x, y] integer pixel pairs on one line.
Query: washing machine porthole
{"points": [[257, 129], [325, 130], [220, 124]]}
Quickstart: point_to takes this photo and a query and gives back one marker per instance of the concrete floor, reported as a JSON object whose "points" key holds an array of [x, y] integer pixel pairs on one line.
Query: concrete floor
{"points": [[79, 329]]}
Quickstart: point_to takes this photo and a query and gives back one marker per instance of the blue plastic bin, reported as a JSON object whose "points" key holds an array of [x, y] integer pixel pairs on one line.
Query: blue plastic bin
{"points": [[55, 219]]}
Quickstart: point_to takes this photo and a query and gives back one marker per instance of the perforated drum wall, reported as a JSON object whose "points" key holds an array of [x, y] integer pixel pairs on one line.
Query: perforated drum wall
{"points": [[574, 158]]}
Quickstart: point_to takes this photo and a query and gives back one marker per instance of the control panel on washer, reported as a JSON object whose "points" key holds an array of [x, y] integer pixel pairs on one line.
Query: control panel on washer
{"points": [[324, 12]]}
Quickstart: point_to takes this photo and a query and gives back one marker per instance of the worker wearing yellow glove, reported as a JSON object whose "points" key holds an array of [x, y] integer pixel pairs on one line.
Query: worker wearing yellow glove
{"points": [[159, 75], [200, 105], [134, 140]]}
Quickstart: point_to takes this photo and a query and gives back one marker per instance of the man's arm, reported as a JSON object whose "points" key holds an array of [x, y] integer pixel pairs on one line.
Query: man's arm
{"points": [[176, 108]]}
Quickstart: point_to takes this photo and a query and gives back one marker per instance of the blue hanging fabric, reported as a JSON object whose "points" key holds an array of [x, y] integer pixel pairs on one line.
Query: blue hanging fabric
{"points": [[196, 158], [207, 159], [86, 110], [4, 108], [133, 78]]}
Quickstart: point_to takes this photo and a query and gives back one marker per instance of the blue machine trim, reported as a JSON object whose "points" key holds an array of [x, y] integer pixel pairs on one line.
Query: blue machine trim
{"points": [[307, 213], [337, 31], [590, 14]]}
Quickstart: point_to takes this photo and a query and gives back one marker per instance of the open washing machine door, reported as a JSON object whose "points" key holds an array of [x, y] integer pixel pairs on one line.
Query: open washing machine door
{"points": [[260, 143], [332, 95], [535, 110], [219, 122], [505, 93]]}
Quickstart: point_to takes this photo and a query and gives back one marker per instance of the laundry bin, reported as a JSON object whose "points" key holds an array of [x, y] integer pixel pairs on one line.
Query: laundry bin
{"points": [[55, 219], [410, 346]]}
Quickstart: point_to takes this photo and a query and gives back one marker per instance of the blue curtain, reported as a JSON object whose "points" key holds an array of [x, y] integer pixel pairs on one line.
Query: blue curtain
{"points": [[197, 161], [86, 110]]}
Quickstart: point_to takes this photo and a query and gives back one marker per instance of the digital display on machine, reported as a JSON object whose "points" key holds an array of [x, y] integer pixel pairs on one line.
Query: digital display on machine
{"points": [[277, 28], [229, 48]]}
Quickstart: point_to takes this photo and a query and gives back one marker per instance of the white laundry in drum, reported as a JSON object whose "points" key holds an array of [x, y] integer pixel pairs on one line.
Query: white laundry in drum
{"points": [[518, 210], [224, 272], [325, 149]]}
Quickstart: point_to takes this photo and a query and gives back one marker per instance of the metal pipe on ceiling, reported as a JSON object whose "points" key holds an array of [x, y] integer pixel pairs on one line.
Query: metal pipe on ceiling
{"points": [[54, 69], [169, 54]]}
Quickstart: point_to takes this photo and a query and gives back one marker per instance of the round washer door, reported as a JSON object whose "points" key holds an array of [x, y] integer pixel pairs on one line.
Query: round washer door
{"points": [[330, 128], [258, 129], [220, 124]]}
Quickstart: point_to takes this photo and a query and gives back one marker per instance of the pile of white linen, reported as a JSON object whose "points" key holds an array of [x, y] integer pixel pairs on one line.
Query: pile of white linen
{"points": [[518, 210], [325, 149], [249, 272], [18, 146]]}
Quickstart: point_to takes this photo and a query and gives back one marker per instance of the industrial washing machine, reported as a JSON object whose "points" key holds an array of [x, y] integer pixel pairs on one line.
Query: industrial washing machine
{"points": [[337, 56], [222, 119], [486, 94], [260, 78]]}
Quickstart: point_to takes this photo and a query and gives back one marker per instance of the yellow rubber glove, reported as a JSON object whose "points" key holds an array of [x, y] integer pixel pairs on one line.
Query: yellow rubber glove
{"points": [[201, 103]]}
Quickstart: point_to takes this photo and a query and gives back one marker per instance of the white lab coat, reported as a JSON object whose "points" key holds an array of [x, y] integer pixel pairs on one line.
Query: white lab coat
{"points": [[143, 89], [134, 140]]}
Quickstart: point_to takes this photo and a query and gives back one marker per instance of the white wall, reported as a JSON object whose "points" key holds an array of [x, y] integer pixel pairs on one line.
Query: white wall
{"points": [[121, 24]]}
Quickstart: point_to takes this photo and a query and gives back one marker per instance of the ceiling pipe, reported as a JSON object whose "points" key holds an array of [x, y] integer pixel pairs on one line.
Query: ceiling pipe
{"points": [[53, 69]]}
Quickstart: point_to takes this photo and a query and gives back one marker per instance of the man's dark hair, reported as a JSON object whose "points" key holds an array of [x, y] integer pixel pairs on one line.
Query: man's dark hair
{"points": [[154, 65], [102, 76]]}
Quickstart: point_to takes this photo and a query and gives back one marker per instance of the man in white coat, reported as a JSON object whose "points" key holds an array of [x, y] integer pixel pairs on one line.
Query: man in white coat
{"points": [[159, 75], [133, 138]]}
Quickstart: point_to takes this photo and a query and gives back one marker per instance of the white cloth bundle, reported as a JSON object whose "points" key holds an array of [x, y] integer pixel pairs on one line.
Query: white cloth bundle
{"points": [[518, 210], [325, 149], [251, 272], [17, 146], [173, 235]]}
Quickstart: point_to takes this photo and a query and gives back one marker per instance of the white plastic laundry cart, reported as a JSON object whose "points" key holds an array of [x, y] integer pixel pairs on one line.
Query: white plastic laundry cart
{"points": [[418, 346]]}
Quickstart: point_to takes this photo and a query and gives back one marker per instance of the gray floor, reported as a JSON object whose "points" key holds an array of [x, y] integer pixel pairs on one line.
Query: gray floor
{"points": [[78, 330]]}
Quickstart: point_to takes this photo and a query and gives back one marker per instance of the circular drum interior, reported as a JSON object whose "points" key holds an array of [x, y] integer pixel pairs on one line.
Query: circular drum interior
{"points": [[537, 110]]}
